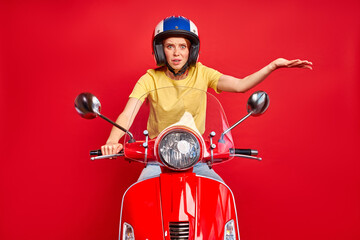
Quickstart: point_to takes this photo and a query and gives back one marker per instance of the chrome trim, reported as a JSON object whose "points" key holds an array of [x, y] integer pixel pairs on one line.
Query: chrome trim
{"points": [[212, 147], [179, 230], [254, 152], [146, 145]]}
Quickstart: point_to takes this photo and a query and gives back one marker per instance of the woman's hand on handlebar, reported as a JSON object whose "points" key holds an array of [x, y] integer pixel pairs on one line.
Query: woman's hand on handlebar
{"points": [[111, 148]]}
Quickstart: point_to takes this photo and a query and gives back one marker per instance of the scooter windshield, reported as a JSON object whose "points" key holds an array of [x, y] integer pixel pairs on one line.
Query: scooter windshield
{"points": [[167, 107]]}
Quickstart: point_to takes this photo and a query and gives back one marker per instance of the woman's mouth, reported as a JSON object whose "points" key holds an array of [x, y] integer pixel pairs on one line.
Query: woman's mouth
{"points": [[176, 61]]}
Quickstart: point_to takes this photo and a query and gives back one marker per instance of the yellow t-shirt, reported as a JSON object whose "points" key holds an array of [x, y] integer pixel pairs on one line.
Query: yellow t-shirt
{"points": [[170, 99]]}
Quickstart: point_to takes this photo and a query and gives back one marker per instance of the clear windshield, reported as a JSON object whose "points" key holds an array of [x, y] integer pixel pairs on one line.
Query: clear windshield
{"points": [[182, 106]]}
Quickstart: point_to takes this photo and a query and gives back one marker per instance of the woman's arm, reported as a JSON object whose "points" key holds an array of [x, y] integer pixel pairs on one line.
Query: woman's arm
{"points": [[125, 120], [232, 84]]}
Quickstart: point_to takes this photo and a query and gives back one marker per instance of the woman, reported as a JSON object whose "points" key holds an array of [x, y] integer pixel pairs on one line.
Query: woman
{"points": [[176, 48]]}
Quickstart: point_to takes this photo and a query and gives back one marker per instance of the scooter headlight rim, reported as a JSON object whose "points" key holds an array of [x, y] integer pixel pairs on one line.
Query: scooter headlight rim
{"points": [[179, 148]]}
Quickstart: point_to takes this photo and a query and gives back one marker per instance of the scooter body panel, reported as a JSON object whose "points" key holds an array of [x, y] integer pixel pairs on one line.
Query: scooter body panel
{"points": [[216, 207], [157, 208], [141, 208]]}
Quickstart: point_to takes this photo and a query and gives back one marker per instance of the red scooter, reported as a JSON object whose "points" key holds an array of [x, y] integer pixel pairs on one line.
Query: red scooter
{"points": [[178, 203]]}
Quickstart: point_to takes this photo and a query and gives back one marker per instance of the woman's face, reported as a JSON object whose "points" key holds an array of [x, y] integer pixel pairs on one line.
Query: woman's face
{"points": [[176, 50]]}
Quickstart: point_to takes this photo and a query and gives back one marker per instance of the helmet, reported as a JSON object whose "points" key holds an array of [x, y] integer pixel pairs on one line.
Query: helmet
{"points": [[176, 26]]}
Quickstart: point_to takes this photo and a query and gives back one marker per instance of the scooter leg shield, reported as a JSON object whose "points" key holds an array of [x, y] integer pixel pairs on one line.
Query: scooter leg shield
{"points": [[141, 209], [179, 204]]}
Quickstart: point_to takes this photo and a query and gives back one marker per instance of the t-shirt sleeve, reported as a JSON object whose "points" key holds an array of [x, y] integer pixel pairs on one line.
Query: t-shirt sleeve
{"points": [[212, 77], [140, 89]]}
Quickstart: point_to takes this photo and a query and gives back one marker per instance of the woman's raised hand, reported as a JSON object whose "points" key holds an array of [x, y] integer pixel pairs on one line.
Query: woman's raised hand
{"points": [[297, 63]]}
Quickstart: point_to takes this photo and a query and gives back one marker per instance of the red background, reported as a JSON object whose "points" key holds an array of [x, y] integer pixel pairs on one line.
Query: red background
{"points": [[307, 186]]}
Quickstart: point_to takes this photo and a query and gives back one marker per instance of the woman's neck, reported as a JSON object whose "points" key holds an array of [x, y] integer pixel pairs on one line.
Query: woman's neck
{"points": [[173, 77]]}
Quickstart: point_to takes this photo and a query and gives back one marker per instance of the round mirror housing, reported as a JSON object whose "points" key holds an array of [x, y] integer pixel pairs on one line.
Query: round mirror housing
{"points": [[258, 103], [87, 105]]}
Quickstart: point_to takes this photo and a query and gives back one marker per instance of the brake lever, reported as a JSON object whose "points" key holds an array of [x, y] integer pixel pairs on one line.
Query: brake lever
{"points": [[107, 156], [247, 156]]}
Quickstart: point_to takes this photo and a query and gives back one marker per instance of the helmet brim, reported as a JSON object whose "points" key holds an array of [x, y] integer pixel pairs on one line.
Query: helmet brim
{"points": [[193, 38]]}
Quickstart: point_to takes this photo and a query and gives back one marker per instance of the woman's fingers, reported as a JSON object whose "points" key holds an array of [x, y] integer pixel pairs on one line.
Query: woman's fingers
{"points": [[300, 64], [111, 148]]}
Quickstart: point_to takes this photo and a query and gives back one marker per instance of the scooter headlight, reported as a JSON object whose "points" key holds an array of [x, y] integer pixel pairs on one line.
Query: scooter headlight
{"points": [[128, 232], [230, 231], [179, 149]]}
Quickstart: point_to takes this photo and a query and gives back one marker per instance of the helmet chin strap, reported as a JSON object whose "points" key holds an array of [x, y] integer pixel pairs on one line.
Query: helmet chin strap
{"points": [[181, 71]]}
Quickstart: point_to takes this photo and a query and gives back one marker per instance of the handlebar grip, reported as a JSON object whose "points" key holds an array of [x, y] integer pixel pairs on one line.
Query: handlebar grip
{"points": [[95, 152], [249, 152], [98, 152]]}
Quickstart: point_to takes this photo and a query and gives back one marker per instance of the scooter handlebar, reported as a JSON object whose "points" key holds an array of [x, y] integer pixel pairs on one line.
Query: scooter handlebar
{"points": [[237, 152], [95, 152], [249, 152], [245, 153]]}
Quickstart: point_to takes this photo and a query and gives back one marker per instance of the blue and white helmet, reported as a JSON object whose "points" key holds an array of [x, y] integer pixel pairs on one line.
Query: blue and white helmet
{"points": [[176, 26]]}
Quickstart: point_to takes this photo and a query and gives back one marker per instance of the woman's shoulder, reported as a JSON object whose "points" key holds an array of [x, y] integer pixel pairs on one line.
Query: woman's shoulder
{"points": [[155, 71], [151, 74], [202, 68]]}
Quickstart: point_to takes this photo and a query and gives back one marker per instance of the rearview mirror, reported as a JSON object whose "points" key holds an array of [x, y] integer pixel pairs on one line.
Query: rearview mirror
{"points": [[87, 105], [258, 103]]}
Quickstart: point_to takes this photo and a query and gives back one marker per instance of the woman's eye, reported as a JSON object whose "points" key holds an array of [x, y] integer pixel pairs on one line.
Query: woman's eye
{"points": [[169, 46]]}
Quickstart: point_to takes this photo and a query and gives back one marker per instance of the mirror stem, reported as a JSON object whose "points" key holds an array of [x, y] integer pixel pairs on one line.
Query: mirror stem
{"points": [[230, 128], [118, 126]]}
